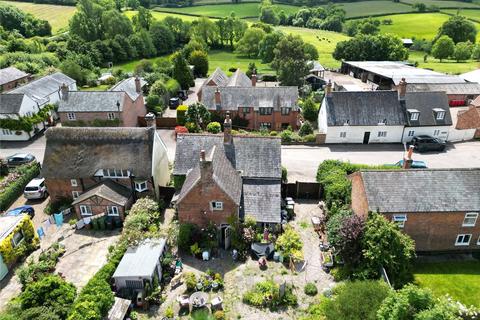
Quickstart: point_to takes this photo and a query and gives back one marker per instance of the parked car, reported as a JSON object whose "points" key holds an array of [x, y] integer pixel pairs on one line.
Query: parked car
{"points": [[428, 143], [20, 158], [415, 164], [23, 209], [36, 189]]}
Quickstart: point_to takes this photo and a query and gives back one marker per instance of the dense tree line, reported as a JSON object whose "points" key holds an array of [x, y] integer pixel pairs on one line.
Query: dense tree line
{"points": [[27, 25]]}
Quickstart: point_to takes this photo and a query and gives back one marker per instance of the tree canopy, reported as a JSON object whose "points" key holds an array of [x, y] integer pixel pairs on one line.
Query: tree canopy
{"points": [[381, 47], [459, 29]]}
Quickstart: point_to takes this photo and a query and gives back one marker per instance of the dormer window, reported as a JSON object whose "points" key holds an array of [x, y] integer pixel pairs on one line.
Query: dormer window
{"points": [[346, 123], [439, 113], [414, 114], [114, 173], [382, 122]]}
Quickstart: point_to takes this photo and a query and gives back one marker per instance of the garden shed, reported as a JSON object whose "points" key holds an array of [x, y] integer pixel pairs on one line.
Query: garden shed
{"points": [[140, 265]]}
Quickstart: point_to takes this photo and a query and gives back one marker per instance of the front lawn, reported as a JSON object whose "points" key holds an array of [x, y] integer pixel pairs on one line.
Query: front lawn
{"points": [[459, 279]]}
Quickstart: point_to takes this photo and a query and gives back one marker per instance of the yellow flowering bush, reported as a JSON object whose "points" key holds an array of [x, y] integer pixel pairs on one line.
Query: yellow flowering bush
{"points": [[31, 241]]}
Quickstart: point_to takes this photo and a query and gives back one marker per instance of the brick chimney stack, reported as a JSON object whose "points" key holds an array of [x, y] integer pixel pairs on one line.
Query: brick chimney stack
{"points": [[227, 129], [254, 78], [328, 89], [64, 92], [138, 85], [206, 170], [150, 120], [402, 89], [407, 162], [218, 100]]}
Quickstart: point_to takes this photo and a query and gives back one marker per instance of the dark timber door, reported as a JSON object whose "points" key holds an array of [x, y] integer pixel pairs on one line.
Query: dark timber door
{"points": [[366, 137]]}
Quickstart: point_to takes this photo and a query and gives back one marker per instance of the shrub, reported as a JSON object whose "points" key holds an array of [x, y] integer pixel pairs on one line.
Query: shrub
{"points": [[405, 303], [310, 289], [190, 281], [187, 235], [15, 188], [219, 315], [310, 110], [290, 244], [214, 127], [267, 294], [169, 312], [59, 205], [286, 135], [305, 129], [181, 110]]}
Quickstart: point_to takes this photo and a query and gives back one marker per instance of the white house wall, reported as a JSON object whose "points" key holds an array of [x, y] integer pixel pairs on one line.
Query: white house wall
{"points": [[28, 106], [460, 135], [160, 170], [355, 134], [429, 131], [322, 118]]}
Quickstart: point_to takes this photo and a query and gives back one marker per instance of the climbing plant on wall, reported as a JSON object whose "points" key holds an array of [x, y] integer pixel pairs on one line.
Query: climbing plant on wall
{"points": [[26, 123]]}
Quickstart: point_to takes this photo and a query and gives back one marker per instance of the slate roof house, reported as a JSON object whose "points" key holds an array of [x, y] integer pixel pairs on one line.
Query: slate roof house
{"points": [[228, 175], [383, 116], [11, 77], [438, 208], [104, 169], [28, 100], [139, 265], [272, 108], [122, 105]]}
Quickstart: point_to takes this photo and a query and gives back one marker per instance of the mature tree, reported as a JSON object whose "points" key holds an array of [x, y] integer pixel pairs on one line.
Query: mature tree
{"points": [[179, 29], [443, 48], [363, 26], [358, 300], [143, 19], [204, 29], [268, 44], [310, 51], [384, 245], [476, 52], [405, 303], [420, 7], [310, 110], [249, 45], [381, 47], [459, 29], [162, 37], [87, 21], [12, 18], [198, 115], [350, 235], [199, 59], [51, 291], [231, 29], [72, 69], [268, 15], [463, 51], [194, 45], [115, 23], [334, 224], [181, 71], [290, 61]]}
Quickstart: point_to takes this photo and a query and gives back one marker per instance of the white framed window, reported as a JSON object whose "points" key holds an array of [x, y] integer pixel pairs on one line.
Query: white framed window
{"points": [[265, 110], [115, 173], [265, 125], [411, 133], [217, 205], [440, 115], [463, 239], [111, 116], [85, 210], [436, 132], [75, 195], [470, 219], [382, 134], [17, 238], [285, 111], [7, 132], [71, 116], [73, 182], [141, 186], [400, 219], [343, 134], [414, 116], [112, 211]]}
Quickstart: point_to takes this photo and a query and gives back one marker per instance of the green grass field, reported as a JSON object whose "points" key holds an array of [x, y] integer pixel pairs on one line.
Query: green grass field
{"points": [[227, 60], [241, 10], [468, 13], [461, 280], [446, 66], [324, 41], [418, 25], [58, 16], [444, 3], [371, 8]]}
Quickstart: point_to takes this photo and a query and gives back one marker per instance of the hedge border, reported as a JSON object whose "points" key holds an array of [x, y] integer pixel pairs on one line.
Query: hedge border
{"points": [[15, 189]]}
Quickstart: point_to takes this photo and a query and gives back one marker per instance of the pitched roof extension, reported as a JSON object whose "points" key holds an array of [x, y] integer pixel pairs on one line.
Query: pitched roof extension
{"points": [[92, 101], [11, 74], [11, 103], [425, 103], [424, 190], [262, 199], [364, 108], [128, 86], [81, 152], [239, 79], [108, 190], [45, 86]]}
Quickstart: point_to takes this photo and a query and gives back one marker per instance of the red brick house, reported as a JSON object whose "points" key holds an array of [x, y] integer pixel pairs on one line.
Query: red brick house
{"points": [[104, 170], [122, 105], [265, 107], [438, 208], [470, 119], [228, 175], [11, 77]]}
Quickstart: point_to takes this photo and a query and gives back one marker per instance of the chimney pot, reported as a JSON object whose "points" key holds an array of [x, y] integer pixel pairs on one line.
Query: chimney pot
{"points": [[150, 120], [328, 89], [402, 89], [202, 155], [227, 129], [218, 99], [64, 91], [254, 78]]}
